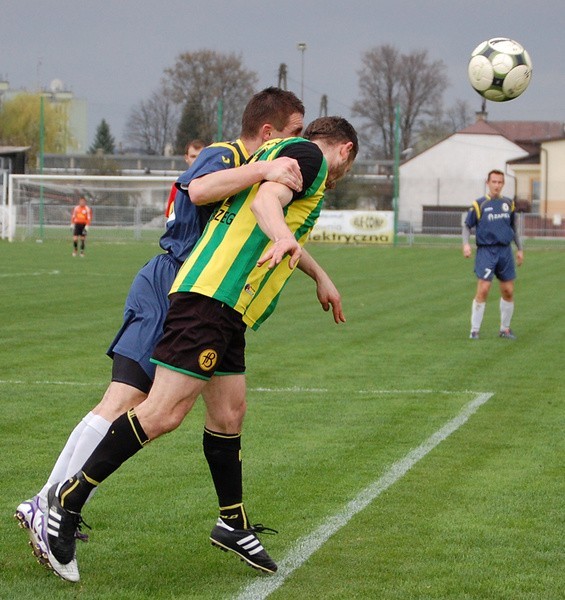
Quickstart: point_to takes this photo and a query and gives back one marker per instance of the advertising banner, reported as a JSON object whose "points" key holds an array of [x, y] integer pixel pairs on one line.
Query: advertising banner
{"points": [[354, 227]]}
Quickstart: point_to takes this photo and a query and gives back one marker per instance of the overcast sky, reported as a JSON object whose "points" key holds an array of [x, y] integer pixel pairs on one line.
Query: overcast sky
{"points": [[113, 52]]}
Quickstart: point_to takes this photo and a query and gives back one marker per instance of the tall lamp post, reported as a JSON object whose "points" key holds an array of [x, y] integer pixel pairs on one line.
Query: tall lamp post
{"points": [[396, 176], [41, 158], [302, 47]]}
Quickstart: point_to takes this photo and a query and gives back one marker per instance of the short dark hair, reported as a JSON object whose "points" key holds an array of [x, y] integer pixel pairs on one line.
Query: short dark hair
{"points": [[495, 172], [272, 105], [335, 129], [196, 144]]}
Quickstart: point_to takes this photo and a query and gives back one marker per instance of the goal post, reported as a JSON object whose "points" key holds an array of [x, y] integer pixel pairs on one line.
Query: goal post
{"points": [[123, 207]]}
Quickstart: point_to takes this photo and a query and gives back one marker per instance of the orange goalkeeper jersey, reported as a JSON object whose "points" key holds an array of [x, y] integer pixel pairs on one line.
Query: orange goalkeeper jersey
{"points": [[82, 215]]}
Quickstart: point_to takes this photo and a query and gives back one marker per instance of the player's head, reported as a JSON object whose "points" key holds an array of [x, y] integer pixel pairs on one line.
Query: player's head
{"points": [[272, 113], [192, 150], [338, 140], [495, 183], [82, 201]]}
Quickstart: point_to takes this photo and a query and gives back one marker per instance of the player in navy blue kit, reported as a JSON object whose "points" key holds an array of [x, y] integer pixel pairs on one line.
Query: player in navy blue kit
{"points": [[272, 113], [494, 219]]}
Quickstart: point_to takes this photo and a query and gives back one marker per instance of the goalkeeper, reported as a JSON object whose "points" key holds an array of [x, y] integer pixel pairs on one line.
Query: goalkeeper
{"points": [[80, 220]]}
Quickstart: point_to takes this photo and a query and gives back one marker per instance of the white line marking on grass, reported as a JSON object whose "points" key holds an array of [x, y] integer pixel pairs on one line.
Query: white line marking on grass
{"points": [[306, 546], [19, 382], [297, 389], [286, 390], [34, 274]]}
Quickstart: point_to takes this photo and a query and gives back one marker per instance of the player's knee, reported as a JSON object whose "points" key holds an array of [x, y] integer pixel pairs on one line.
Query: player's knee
{"points": [[166, 424], [118, 399], [228, 418]]}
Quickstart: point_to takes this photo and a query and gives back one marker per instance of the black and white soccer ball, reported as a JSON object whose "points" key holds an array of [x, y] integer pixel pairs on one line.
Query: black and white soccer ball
{"points": [[500, 69]]}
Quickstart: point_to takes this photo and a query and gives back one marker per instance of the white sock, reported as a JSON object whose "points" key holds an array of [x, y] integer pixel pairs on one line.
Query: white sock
{"points": [[91, 436], [477, 314], [59, 471], [506, 311]]}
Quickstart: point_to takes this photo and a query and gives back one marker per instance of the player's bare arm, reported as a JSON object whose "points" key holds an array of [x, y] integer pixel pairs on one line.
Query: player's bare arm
{"points": [[267, 206], [328, 294], [466, 239], [222, 184]]}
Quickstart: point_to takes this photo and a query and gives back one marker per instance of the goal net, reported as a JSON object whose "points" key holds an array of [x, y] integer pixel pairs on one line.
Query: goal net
{"points": [[123, 207]]}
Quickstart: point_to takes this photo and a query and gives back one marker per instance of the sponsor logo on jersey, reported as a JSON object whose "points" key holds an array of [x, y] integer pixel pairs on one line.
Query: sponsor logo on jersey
{"points": [[223, 216], [249, 289], [498, 217]]}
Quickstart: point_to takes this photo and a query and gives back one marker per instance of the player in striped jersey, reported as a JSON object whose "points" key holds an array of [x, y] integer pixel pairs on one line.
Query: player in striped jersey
{"points": [[270, 113], [233, 278]]}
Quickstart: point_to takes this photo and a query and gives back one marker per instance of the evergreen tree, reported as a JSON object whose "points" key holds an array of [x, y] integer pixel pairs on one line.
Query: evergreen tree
{"points": [[103, 140], [191, 126]]}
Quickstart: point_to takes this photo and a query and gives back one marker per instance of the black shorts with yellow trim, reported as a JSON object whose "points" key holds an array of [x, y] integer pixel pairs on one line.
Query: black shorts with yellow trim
{"points": [[202, 337]]}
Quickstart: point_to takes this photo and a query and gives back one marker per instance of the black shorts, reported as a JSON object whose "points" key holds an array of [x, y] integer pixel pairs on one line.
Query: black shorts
{"points": [[79, 229], [202, 337]]}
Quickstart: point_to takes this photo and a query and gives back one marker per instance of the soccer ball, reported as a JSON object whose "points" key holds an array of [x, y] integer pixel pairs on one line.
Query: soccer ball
{"points": [[500, 69]]}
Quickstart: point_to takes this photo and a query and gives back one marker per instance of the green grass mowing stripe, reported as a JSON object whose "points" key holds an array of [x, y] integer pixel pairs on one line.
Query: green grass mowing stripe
{"points": [[479, 518], [309, 544]]}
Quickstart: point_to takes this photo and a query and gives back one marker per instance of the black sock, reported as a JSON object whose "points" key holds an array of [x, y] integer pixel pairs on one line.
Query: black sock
{"points": [[124, 438], [223, 453]]}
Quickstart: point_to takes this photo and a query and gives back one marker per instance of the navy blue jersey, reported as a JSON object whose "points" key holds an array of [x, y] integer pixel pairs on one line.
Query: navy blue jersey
{"points": [[186, 221], [147, 301], [493, 220]]}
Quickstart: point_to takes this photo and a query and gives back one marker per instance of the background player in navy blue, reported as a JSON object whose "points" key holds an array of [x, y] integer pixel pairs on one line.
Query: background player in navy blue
{"points": [[493, 218]]}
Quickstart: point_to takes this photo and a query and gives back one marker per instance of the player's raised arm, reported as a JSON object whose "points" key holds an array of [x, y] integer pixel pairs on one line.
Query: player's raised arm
{"points": [[222, 184], [267, 206]]}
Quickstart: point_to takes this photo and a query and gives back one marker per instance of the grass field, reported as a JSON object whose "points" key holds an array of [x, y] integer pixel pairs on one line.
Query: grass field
{"points": [[397, 458]]}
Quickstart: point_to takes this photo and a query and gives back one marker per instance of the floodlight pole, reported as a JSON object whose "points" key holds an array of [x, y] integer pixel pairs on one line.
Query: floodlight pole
{"points": [[396, 174], [41, 156], [302, 47]]}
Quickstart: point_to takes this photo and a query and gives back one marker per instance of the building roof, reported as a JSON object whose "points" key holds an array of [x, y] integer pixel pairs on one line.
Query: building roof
{"points": [[13, 149], [519, 132], [531, 159]]}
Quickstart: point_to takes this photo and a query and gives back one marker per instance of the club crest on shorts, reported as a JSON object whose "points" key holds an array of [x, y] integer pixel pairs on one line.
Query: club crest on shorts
{"points": [[207, 359]]}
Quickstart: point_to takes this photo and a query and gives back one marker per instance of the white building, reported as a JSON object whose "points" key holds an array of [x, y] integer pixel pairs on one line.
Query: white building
{"points": [[452, 173]]}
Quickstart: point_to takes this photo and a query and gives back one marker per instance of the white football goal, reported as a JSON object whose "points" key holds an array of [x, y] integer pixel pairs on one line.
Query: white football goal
{"points": [[123, 207]]}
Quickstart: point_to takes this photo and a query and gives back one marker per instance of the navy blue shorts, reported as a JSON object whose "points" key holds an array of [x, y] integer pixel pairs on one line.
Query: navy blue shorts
{"points": [[145, 310], [494, 261]]}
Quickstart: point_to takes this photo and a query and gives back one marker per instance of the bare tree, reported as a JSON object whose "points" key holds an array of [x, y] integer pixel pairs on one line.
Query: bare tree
{"points": [[218, 83], [389, 79], [442, 124], [460, 115], [152, 124]]}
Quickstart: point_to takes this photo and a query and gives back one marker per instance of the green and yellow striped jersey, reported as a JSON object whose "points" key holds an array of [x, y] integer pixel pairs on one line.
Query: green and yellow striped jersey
{"points": [[223, 264]]}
